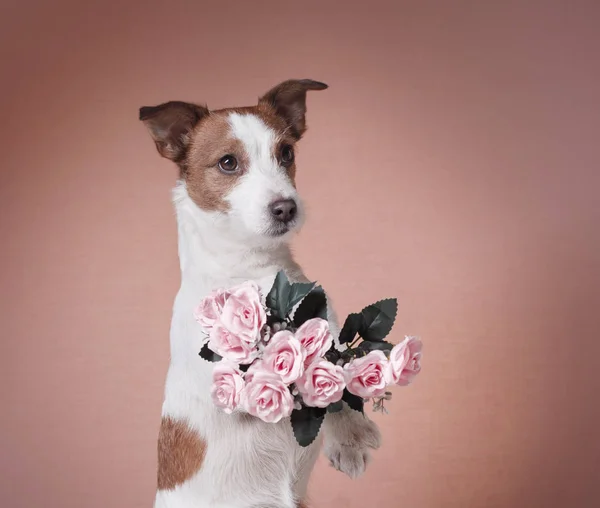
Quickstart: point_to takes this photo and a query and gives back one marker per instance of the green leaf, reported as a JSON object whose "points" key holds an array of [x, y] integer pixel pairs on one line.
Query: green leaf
{"points": [[378, 319], [278, 295], [354, 401], [283, 296], [351, 327], [306, 423], [209, 355], [297, 292], [368, 346], [335, 407], [314, 305]]}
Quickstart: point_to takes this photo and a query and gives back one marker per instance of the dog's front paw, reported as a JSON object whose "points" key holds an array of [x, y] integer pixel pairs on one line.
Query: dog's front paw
{"points": [[348, 459], [349, 435]]}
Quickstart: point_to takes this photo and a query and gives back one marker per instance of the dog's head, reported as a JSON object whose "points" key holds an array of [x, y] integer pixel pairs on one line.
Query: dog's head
{"points": [[239, 162]]}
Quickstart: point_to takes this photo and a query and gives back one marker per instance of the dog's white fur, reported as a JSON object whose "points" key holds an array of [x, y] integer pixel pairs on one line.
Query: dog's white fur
{"points": [[248, 463]]}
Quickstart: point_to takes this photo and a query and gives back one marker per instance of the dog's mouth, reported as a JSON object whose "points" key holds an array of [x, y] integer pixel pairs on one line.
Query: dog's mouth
{"points": [[279, 230]]}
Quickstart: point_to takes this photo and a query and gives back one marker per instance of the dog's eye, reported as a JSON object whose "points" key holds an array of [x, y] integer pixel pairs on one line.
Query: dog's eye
{"points": [[228, 164], [287, 155]]}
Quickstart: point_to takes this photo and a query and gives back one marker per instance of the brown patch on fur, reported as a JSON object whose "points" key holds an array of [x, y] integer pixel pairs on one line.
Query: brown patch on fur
{"points": [[283, 133], [181, 452], [302, 505], [211, 140]]}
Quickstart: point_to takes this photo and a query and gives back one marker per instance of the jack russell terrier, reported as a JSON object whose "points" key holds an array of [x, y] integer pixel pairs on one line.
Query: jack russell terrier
{"points": [[237, 207]]}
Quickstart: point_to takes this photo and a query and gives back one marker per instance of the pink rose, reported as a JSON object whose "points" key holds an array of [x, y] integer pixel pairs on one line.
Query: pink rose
{"points": [[210, 308], [322, 384], [227, 387], [230, 346], [315, 338], [405, 361], [255, 366], [267, 397], [365, 376], [284, 356], [243, 313]]}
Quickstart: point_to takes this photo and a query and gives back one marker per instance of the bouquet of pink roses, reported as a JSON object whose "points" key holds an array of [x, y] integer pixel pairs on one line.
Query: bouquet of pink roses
{"points": [[277, 357]]}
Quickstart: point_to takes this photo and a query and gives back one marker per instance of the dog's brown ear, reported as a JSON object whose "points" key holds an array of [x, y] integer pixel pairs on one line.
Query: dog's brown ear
{"points": [[170, 125], [289, 100]]}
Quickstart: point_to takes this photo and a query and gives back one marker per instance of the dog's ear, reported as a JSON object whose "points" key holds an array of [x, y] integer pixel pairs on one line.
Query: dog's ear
{"points": [[170, 125], [289, 101]]}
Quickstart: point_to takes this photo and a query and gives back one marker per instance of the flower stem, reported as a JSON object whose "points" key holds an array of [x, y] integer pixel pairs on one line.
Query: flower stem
{"points": [[354, 342]]}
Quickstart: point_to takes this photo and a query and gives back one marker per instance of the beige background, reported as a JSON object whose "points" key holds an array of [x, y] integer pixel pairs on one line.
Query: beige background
{"points": [[453, 163]]}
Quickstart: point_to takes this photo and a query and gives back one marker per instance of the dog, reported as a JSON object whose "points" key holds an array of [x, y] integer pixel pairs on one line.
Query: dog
{"points": [[237, 208]]}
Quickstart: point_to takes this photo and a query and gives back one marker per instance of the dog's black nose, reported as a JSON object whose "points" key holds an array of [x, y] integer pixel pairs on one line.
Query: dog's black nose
{"points": [[283, 210]]}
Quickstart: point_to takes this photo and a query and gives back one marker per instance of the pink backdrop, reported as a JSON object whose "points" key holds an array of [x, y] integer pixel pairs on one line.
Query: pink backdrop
{"points": [[454, 163]]}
